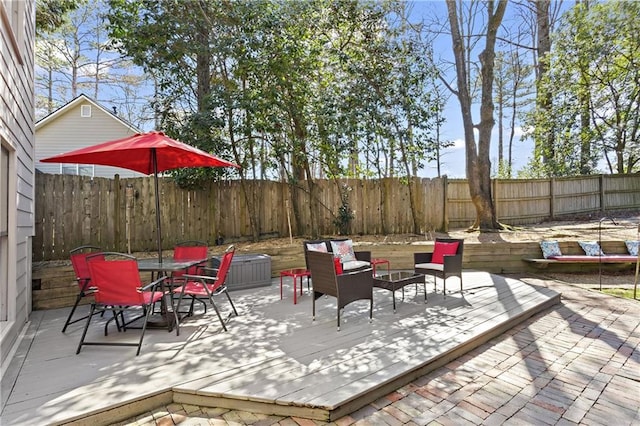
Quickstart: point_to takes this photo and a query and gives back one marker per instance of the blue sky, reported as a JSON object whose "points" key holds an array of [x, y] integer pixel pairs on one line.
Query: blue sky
{"points": [[453, 158]]}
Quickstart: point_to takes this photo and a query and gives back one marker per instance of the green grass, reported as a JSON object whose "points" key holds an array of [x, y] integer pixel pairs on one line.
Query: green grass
{"points": [[627, 293]]}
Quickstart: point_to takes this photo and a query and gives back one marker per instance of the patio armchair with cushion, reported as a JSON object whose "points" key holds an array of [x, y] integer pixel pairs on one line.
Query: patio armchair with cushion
{"points": [[341, 248], [78, 258], [345, 286], [445, 261]]}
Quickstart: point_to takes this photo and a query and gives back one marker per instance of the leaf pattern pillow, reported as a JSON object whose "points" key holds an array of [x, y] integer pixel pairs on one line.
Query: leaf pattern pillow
{"points": [[632, 247], [321, 247], [550, 249], [343, 250], [591, 248]]}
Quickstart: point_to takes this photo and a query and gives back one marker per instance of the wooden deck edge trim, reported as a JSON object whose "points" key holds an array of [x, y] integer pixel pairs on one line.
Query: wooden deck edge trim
{"points": [[441, 360], [332, 414], [121, 412], [274, 408]]}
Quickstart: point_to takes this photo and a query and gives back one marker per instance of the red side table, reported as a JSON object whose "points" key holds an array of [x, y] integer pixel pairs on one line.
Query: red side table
{"points": [[378, 261], [295, 274]]}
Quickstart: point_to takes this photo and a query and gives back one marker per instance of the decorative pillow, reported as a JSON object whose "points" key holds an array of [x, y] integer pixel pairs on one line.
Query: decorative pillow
{"points": [[337, 265], [321, 247], [343, 250], [440, 249], [591, 248], [550, 249], [632, 247]]}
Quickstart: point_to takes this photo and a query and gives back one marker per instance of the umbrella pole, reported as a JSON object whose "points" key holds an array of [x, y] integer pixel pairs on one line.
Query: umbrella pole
{"points": [[154, 160]]}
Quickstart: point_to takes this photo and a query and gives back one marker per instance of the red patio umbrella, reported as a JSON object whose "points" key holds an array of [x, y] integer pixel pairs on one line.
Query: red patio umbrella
{"points": [[148, 153]]}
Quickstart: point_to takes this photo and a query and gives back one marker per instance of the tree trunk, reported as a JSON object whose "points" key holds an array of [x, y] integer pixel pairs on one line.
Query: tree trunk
{"points": [[478, 161], [544, 143], [203, 61], [302, 172]]}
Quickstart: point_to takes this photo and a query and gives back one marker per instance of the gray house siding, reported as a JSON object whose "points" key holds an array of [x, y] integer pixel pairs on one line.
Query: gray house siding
{"points": [[17, 33], [67, 129]]}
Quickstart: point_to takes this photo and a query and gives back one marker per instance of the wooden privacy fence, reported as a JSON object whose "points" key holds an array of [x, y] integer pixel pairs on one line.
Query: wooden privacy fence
{"points": [[119, 214]]}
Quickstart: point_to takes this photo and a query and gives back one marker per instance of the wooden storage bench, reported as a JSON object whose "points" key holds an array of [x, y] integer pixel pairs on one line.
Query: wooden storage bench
{"points": [[583, 259]]}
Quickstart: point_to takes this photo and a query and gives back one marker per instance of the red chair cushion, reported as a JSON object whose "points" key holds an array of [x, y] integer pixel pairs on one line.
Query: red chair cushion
{"points": [[440, 249], [337, 265]]}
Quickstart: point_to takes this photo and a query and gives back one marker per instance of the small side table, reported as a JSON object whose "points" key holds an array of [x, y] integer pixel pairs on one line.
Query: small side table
{"points": [[295, 274], [378, 261]]}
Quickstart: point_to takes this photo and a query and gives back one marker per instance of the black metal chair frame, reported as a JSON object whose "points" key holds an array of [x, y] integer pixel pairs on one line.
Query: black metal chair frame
{"points": [[118, 310], [208, 277], [83, 284]]}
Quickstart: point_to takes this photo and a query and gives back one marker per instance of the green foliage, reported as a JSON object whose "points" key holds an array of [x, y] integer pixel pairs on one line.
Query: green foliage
{"points": [[593, 79], [301, 89], [626, 293], [345, 215], [52, 14], [504, 170]]}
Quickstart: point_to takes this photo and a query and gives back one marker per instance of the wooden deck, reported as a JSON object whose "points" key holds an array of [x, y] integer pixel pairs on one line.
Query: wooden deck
{"points": [[273, 359]]}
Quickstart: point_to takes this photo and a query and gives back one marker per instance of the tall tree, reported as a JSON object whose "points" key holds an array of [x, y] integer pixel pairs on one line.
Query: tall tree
{"points": [[51, 14], [75, 57], [478, 163], [513, 92], [300, 87], [594, 77], [545, 144]]}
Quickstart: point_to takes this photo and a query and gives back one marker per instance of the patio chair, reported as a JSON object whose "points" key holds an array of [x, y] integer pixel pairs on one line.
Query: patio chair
{"points": [[207, 285], [346, 287], [78, 258], [445, 261], [119, 289], [351, 260], [191, 250]]}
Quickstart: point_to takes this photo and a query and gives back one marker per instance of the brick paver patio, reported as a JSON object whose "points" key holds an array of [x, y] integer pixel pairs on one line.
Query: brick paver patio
{"points": [[577, 363]]}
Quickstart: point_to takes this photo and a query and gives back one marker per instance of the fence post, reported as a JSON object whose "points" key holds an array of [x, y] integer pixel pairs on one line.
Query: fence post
{"points": [[445, 208], [116, 212], [494, 191], [552, 209], [602, 200]]}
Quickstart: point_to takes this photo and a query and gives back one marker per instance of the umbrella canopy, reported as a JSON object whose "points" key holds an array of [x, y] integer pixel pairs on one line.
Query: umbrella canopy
{"points": [[148, 153], [136, 153]]}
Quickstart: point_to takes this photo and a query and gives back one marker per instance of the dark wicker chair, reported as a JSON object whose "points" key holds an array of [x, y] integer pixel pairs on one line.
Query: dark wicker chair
{"points": [[451, 267], [347, 287]]}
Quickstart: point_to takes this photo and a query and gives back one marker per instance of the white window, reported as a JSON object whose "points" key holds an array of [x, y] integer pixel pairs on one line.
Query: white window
{"points": [[78, 169], [85, 170], [85, 111]]}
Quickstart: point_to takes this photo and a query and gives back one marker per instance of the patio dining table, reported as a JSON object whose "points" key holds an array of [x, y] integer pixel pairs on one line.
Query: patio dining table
{"points": [[166, 265], [162, 268]]}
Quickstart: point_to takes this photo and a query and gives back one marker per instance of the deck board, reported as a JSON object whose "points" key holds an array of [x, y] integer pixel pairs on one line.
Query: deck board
{"points": [[273, 359]]}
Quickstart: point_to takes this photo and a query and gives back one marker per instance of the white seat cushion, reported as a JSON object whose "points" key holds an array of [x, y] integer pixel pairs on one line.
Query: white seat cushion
{"points": [[354, 264], [434, 266]]}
